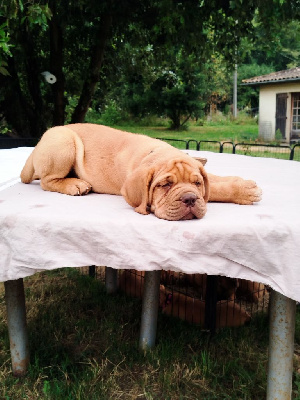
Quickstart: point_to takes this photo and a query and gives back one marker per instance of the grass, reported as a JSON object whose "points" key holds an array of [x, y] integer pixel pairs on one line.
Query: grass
{"points": [[84, 345], [223, 129], [242, 130], [207, 132]]}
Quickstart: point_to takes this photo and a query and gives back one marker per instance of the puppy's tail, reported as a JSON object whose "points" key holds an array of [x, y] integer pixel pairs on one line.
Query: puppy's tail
{"points": [[27, 173]]}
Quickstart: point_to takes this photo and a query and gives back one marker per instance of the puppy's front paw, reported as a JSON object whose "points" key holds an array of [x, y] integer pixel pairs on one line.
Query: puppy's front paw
{"points": [[248, 193]]}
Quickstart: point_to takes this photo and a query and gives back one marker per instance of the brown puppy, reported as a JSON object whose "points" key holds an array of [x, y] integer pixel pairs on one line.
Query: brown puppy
{"points": [[172, 277], [182, 306], [250, 291], [193, 310], [226, 287], [151, 175], [131, 282]]}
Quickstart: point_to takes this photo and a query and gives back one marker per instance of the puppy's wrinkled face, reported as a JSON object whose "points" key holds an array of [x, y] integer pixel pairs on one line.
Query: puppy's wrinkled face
{"points": [[179, 192]]}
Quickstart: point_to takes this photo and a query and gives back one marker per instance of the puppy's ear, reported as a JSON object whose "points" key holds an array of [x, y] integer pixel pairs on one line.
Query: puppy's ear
{"points": [[136, 187], [206, 182], [202, 160]]}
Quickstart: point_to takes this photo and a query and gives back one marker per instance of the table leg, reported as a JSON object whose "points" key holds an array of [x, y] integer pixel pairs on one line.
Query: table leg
{"points": [[149, 309], [111, 280], [281, 347], [211, 303], [17, 329], [92, 271]]}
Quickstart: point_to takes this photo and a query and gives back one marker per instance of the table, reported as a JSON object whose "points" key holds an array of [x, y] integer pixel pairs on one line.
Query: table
{"points": [[43, 231]]}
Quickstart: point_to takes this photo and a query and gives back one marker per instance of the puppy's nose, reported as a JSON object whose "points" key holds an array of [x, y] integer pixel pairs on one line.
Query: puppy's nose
{"points": [[189, 199]]}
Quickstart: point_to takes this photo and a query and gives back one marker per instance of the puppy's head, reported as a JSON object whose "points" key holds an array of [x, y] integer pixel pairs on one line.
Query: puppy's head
{"points": [[177, 189]]}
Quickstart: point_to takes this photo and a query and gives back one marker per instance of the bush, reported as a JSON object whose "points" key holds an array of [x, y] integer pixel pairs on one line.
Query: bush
{"points": [[278, 136], [112, 114]]}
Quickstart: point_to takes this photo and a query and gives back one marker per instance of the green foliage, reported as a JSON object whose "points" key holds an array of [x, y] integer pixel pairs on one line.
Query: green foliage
{"points": [[112, 114], [5, 48], [278, 135], [178, 92], [279, 52], [225, 129], [198, 42], [38, 14], [248, 96]]}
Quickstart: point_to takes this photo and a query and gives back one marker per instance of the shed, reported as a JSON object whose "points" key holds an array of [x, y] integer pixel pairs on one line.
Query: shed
{"points": [[279, 104]]}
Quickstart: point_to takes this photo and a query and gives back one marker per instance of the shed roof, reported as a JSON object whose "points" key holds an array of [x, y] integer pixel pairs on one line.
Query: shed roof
{"points": [[287, 75]]}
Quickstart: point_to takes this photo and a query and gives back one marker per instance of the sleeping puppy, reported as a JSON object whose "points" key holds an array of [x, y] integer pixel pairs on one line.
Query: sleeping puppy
{"points": [[193, 310], [131, 282], [183, 306], [252, 292], [226, 287], [150, 174]]}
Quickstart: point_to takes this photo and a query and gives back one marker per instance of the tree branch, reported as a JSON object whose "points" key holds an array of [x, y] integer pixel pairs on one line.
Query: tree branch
{"points": [[93, 75]]}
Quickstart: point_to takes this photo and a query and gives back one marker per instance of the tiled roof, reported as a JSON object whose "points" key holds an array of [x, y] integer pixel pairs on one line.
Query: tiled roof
{"points": [[280, 76]]}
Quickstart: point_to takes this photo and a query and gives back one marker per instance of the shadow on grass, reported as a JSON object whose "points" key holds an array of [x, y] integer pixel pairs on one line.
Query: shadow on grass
{"points": [[84, 344]]}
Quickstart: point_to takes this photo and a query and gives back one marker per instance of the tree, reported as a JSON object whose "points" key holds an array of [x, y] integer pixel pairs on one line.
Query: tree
{"points": [[78, 42], [249, 95], [262, 56], [178, 93], [21, 99]]}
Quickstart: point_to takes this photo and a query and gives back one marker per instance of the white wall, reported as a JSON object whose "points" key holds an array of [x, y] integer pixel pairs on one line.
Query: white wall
{"points": [[267, 106]]}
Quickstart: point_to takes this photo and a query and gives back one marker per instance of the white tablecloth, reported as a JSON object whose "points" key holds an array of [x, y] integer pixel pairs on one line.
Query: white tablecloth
{"points": [[42, 230]]}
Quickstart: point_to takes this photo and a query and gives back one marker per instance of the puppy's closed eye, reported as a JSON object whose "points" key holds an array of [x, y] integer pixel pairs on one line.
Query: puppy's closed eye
{"points": [[165, 185]]}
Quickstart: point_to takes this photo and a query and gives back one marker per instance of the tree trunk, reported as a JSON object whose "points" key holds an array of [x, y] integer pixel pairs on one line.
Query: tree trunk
{"points": [[186, 120], [18, 115], [93, 74], [56, 67], [175, 118], [38, 125]]}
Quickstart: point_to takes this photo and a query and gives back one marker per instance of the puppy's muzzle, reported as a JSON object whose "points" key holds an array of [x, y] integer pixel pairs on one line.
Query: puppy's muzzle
{"points": [[189, 199]]}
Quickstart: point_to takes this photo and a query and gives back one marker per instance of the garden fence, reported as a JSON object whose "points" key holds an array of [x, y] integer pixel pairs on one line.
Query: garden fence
{"points": [[281, 151]]}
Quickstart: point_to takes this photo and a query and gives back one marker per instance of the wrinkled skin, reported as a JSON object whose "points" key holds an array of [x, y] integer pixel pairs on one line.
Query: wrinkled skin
{"points": [[150, 174]]}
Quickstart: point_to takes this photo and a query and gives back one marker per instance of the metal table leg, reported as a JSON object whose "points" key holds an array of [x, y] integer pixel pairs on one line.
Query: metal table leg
{"points": [[17, 329], [211, 303], [111, 280], [281, 347], [92, 271], [150, 310]]}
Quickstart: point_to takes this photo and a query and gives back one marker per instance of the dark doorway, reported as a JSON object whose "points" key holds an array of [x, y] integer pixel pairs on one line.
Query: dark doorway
{"points": [[281, 101]]}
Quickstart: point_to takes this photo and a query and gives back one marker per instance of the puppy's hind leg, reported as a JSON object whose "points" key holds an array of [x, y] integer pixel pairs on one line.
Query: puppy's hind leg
{"points": [[71, 186], [54, 158]]}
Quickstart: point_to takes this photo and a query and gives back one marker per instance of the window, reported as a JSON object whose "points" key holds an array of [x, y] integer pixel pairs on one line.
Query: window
{"points": [[296, 115]]}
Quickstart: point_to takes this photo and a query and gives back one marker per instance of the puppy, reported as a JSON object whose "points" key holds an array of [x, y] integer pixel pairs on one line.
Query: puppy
{"points": [[193, 310], [172, 278], [226, 287], [182, 306], [250, 291], [150, 174], [131, 282]]}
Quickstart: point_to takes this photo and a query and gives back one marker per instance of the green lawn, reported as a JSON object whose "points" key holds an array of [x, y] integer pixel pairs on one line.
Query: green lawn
{"points": [[243, 129], [84, 345], [219, 132]]}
